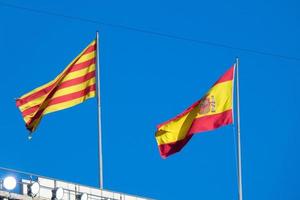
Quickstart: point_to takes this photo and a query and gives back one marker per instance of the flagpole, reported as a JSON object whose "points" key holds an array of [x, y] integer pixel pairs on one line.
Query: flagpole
{"points": [[99, 114], [239, 157]]}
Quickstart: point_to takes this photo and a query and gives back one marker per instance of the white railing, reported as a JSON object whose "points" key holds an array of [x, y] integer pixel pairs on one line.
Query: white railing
{"points": [[71, 191]]}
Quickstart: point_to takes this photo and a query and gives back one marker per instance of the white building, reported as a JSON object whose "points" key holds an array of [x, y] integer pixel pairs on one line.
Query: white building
{"points": [[40, 188]]}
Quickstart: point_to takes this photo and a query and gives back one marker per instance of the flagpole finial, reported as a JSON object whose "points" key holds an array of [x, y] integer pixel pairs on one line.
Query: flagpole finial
{"points": [[236, 59]]}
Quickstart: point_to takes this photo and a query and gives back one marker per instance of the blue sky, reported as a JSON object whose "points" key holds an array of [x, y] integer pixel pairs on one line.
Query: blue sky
{"points": [[148, 78]]}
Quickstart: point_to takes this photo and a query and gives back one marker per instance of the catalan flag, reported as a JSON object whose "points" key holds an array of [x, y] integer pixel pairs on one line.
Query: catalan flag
{"points": [[212, 111], [72, 86]]}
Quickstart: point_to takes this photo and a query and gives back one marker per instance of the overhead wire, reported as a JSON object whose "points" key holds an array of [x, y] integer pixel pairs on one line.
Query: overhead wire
{"points": [[161, 34]]}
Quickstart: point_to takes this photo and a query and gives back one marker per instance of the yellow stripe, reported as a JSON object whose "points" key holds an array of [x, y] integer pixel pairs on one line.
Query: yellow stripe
{"points": [[86, 57], [67, 104], [51, 82], [177, 129], [92, 43], [27, 118], [79, 73], [64, 91], [222, 94], [74, 88]]}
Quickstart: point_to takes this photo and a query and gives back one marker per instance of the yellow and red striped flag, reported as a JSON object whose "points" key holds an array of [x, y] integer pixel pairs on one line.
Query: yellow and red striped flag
{"points": [[71, 87], [212, 111]]}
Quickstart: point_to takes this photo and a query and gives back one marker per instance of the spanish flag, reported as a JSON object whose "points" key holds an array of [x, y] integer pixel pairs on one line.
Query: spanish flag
{"points": [[71, 87], [212, 111]]}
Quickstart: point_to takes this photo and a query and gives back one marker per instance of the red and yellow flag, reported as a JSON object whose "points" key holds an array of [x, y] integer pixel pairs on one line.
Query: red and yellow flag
{"points": [[212, 111], [71, 87]]}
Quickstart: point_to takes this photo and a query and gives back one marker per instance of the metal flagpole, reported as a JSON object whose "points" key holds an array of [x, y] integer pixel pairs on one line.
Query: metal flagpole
{"points": [[239, 159], [99, 114]]}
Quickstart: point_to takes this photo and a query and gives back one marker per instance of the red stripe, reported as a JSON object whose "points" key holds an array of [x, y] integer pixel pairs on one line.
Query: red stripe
{"points": [[82, 65], [30, 110], [65, 84], [90, 49], [166, 150], [64, 98], [211, 122], [72, 96], [77, 80], [228, 76]]}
